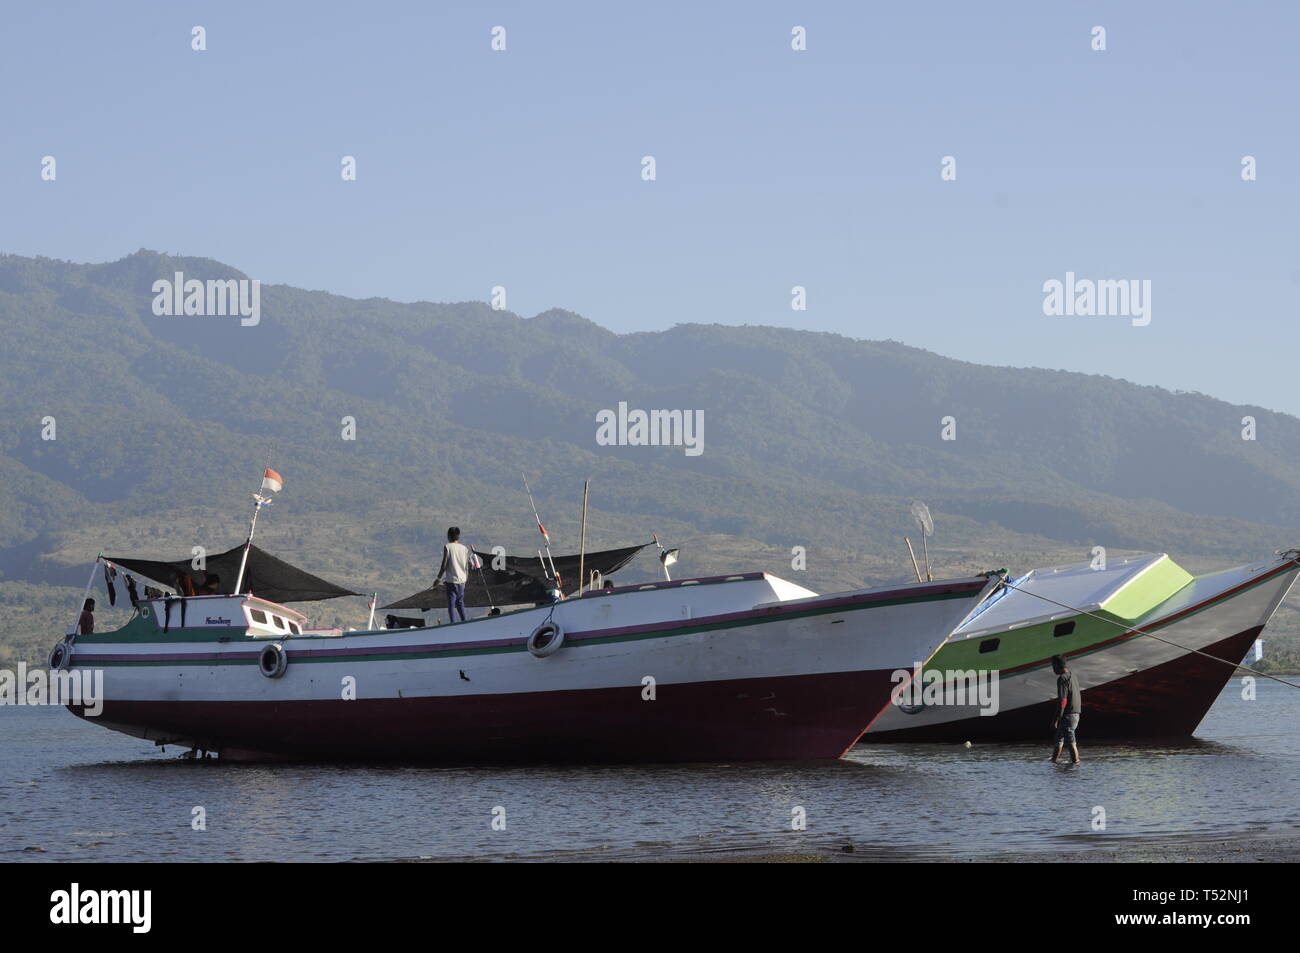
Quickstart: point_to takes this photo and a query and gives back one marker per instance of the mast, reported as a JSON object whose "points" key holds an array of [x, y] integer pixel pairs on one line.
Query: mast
{"points": [[582, 545], [915, 568], [541, 529]]}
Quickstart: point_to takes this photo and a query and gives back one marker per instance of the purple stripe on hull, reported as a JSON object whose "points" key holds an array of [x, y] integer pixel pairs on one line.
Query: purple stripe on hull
{"points": [[1165, 701], [786, 718]]}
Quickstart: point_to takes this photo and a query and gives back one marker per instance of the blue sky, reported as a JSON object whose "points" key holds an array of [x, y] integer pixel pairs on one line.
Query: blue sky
{"points": [[775, 168]]}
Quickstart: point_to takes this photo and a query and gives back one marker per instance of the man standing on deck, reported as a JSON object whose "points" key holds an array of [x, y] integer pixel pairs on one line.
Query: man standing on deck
{"points": [[1068, 708], [454, 573]]}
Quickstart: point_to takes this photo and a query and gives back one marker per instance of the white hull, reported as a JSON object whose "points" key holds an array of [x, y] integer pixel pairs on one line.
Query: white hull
{"points": [[645, 658]]}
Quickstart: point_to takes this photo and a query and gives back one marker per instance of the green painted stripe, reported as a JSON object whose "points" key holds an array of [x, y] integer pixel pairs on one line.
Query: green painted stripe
{"points": [[1035, 642]]}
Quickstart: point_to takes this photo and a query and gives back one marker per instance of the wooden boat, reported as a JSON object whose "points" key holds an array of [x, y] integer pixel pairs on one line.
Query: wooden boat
{"points": [[1151, 645], [746, 666]]}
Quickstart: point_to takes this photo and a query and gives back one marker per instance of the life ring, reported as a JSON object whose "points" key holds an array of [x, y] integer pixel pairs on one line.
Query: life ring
{"points": [[546, 639], [273, 661], [60, 657]]}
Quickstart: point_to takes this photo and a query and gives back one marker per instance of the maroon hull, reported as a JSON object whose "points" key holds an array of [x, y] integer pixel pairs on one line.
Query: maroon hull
{"points": [[1165, 701], [788, 718]]}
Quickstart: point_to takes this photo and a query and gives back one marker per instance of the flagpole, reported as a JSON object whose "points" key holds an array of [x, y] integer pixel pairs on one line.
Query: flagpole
{"points": [[373, 602], [272, 482], [248, 544]]}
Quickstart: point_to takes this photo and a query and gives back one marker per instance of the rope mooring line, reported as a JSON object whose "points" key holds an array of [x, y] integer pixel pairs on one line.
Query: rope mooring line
{"points": [[1140, 631]]}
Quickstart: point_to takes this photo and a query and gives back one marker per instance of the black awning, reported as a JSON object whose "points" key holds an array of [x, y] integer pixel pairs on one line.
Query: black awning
{"points": [[265, 576], [522, 579]]}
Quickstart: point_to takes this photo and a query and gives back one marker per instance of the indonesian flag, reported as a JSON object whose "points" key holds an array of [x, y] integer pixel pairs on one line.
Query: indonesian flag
{"points": [[272, 481], [545, 535], [474, 561]]}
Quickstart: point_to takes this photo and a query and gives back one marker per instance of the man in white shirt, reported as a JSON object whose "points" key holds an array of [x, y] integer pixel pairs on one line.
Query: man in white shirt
{"points": [[454, 573]]}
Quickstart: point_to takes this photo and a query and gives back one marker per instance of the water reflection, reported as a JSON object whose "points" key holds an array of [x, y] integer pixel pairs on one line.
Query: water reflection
{"points": [[71, 791]]}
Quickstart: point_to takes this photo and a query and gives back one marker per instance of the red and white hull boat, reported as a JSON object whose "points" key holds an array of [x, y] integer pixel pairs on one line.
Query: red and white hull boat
{"points": [[737, 667]]}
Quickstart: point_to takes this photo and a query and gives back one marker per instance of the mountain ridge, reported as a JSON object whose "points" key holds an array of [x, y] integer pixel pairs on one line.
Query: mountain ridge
{"points": [[811, 439]]}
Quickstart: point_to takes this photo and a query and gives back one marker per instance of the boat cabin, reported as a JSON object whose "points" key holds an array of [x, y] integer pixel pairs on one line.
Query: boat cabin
{"points": [[259, 618], [1124, 588]]}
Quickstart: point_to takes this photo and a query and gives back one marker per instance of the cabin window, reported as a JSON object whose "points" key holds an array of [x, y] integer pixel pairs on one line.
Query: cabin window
{"points": [[258, 615], [989, 645], [279, 623], [1064, 628], [293, 627]]}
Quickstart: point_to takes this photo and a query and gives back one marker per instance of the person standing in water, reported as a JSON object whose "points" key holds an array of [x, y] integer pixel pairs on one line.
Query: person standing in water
{"points": [[1068, 709], [454, 573]]}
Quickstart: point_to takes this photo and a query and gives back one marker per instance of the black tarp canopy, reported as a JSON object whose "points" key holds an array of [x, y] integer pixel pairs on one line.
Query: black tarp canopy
{"points": [[265, 576], [522, 580]]}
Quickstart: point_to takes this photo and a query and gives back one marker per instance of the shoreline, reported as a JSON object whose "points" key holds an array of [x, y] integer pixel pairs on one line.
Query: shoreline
{"points": [[1174, 849]]}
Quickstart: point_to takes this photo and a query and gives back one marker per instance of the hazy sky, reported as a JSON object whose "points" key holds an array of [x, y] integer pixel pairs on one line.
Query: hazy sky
{"points": [[775, 168]]}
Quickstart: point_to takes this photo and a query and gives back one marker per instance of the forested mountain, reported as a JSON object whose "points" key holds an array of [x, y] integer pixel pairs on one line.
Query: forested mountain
{"points": [[164, 423]]}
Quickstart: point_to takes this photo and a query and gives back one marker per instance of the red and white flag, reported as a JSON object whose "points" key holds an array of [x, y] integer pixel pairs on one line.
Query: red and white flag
{"points": [[272, 481], [545, 535]]}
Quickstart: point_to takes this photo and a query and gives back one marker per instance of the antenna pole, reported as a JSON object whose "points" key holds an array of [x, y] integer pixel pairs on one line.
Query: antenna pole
{"points": [[926, 550]]}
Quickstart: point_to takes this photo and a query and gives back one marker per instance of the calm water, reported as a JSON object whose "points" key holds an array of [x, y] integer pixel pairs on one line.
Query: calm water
{"points": [[79, 792]]}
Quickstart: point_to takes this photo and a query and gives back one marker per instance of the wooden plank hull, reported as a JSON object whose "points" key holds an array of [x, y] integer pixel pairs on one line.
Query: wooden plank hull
{"points": [[737, 669]]}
